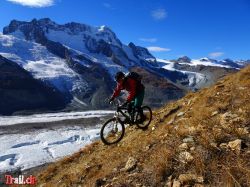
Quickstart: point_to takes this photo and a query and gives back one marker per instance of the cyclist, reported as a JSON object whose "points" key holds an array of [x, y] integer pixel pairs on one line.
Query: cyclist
{"points": [[133, 86]]}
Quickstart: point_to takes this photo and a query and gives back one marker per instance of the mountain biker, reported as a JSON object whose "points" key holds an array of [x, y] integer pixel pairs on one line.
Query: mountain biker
{"points": [[134, 87]]}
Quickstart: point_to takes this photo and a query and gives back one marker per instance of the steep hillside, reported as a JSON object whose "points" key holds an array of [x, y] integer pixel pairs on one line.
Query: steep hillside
{"points": [[201, 140]]}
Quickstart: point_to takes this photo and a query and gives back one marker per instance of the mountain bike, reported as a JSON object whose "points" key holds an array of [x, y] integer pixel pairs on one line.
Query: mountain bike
{"points": [[113, 129]]}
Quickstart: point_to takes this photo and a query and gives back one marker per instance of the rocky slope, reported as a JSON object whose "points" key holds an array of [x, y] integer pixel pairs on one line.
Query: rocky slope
{"points": [[20, 91], [202, 139]]}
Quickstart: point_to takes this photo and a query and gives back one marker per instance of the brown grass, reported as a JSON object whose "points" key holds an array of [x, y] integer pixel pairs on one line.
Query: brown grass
{"points": [[157, 150]]}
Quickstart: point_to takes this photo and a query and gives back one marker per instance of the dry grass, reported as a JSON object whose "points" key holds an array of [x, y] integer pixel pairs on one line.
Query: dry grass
{"points": [[157, 150]]}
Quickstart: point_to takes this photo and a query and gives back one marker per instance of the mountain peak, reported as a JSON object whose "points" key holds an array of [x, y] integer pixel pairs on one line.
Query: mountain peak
{"points": [[206, 59], [104, 28], [184, 59]]}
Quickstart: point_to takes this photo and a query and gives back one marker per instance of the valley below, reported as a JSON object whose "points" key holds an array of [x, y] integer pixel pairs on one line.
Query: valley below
{"points": [[33, 140]]}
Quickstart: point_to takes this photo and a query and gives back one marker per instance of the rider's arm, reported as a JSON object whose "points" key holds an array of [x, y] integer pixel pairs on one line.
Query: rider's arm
{"points": [[117, 91], [132, 91]]}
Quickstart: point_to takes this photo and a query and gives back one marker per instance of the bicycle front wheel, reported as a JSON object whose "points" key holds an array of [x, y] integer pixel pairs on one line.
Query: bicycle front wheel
{"points": [[144, 118], [112, 131]]}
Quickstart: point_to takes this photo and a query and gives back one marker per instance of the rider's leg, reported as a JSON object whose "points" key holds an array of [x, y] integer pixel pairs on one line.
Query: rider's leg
{"points": [[130, 107], [139, 99], [138, 103]]}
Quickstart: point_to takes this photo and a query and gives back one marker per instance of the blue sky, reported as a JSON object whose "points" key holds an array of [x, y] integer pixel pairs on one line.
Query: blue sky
{"points": [[169, 28]]}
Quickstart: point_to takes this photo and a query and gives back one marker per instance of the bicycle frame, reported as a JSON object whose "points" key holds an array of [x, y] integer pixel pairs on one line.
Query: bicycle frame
{"points": [[117, 124], [120, 110]]}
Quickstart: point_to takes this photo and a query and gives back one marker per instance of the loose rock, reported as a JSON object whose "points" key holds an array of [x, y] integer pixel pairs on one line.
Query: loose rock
{"points": [[192, 148], [242, 131], [214, 113], [180, 114], [176, 183], [223, 145], [235, 145], [183, 146], [171, 121], [229, 118], [185, 157], [185, 178], [188, 140], [131, 164]]}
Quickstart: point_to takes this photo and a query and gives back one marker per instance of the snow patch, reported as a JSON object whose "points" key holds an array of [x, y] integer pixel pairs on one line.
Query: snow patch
{"points": [[195, 79], [206, 62], [17, 151], [42, 64]]}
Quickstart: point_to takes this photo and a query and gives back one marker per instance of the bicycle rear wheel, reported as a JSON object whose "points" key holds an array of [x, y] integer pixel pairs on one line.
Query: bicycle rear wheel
{"points": [[112, 131], [144, 118]]}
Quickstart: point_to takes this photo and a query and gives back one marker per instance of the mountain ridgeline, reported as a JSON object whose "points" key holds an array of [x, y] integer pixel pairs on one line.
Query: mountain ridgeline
{"points": [[74, 65]]}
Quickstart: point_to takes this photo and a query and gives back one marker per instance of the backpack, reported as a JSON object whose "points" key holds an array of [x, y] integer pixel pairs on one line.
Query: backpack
{"points": [[135, 76]]}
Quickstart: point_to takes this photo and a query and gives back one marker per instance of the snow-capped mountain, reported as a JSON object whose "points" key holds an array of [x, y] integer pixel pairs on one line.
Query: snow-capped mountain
{"points": [[197, 73], [42, 64], [79, 61]]}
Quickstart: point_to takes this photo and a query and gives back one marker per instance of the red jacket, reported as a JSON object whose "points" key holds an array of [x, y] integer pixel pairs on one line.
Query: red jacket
{"points": [[129, 85]]}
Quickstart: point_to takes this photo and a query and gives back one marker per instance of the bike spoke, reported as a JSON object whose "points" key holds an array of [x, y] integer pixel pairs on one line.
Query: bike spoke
{"points": [[112, 132], [144, 118]]}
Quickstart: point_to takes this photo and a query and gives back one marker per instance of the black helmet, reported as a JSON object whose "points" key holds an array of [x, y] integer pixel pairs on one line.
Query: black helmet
{"points": [[119, 75]]}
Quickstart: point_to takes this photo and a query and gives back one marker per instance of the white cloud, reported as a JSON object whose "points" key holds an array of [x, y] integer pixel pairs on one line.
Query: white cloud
{"points": [[151, 40], [216, 54], [34, 3], [157, 49], [159, 14]]}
